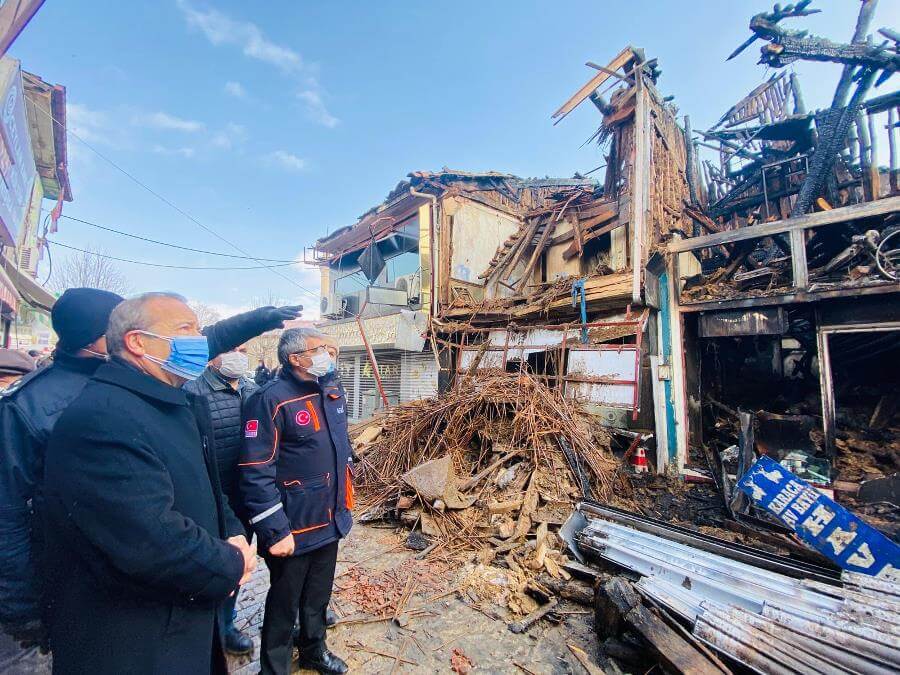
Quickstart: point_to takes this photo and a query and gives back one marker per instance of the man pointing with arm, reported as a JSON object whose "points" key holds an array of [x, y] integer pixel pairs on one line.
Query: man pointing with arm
{"points": [[143, 545]]}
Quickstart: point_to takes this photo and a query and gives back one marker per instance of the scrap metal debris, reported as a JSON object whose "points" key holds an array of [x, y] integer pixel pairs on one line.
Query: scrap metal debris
{"points": [[757, 617]]}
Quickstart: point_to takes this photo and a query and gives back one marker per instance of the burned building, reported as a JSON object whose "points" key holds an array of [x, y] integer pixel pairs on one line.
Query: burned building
{"points": [[793, 314], [386, 277], [570, 295]]}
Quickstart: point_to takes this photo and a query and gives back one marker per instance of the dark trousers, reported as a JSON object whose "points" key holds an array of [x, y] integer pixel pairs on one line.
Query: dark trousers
{"points": [[299, 586]]}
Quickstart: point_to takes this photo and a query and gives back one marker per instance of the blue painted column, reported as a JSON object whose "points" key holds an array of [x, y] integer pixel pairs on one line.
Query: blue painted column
{"points": [[665, 332]]}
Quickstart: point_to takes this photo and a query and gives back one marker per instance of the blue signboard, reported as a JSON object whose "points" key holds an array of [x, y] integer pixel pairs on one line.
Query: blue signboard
{"points": [[819, 521], [17, 172]]}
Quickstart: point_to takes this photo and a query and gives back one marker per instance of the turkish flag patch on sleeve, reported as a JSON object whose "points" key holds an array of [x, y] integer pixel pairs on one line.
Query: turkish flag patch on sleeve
{"points": [[251, 429]]}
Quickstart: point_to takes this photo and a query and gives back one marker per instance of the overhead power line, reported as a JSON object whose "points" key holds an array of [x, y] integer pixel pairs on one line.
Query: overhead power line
{"points": [[311, 294], [171, 267], [178, 246]]}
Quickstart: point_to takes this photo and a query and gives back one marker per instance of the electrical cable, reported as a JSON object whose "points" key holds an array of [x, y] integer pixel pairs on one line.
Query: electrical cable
{"points": [[178, 246], [888, 256], [174, 206], [170, 267], [49, 273]]}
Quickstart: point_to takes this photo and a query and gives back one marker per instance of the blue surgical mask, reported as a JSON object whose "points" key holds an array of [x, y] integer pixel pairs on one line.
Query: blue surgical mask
{"points": [[188, 355]]}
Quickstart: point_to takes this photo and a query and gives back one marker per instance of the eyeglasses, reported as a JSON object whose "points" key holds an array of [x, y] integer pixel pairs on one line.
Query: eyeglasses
{"points": [[315, 350]]}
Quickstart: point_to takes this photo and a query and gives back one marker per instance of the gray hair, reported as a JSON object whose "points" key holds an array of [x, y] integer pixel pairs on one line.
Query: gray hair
{"points": [[294, 340], [132, 315]]}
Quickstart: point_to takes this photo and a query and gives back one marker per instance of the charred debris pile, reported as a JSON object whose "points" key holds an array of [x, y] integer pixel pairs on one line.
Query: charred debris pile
{"points": [[774, 159]]}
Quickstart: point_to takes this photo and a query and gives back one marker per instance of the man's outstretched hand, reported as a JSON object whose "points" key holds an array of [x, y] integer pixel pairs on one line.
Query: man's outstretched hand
{"points": [[276, 316]]}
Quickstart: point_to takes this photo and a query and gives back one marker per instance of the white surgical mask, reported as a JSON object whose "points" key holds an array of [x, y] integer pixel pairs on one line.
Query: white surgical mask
{"points": [[234, 365], [322, 364]]}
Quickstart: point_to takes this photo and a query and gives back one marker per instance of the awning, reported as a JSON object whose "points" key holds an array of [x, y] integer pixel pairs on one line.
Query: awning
{"points": [[9, 296], [28, 289]]}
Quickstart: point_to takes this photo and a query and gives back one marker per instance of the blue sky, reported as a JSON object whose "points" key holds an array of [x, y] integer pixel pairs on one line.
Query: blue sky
{"points": [[273, 122]]}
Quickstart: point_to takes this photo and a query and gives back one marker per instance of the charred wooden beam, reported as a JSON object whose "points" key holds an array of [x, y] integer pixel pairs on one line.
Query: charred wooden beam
{"points": [[831, 139]]}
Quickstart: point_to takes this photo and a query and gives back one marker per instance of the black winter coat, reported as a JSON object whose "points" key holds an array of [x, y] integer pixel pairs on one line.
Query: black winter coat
{"points": [[296, 470], [225, 411], [28, 412], [136, 563]]}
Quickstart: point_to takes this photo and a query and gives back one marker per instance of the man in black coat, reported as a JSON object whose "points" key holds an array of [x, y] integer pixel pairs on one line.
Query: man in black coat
{"points": [[141, 545], [29, 410], [225, 386]]}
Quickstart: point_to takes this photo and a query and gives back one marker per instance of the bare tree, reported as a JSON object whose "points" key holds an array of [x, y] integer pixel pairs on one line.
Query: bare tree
{"points": [[267, 299], [206, 315], [89, 269], [265, 347]]}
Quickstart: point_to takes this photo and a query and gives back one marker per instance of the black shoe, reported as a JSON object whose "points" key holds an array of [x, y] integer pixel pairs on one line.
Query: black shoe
{"points": [[237, 643], [323, 661]]}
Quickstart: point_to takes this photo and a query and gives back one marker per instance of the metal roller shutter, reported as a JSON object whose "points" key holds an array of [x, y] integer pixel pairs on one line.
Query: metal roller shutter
{"points": [[389, 368], [418, 377], [348, 369]]}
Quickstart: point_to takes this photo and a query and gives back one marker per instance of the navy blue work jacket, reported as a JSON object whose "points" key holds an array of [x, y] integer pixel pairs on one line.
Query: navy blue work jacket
{"points": [[296, 467]]}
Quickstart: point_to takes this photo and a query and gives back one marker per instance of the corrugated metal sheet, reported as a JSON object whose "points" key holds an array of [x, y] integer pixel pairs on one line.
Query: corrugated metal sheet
{"points": [[768, 621]]}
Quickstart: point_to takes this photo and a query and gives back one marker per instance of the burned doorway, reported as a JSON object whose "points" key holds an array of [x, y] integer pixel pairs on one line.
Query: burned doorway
{"points": [[859, 369]]}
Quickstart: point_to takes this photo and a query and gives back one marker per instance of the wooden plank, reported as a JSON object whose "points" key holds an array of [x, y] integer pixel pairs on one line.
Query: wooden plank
{"points": [[618, 600], [787, 298], [548, 230], [607, 214], [798, 259], [571, 252], [505, 266], [640, 183], [839, 215], [576, 232], [581, 95]]}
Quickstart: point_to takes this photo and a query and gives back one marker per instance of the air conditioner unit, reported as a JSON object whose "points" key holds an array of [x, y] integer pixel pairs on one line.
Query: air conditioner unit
{"points": [[412, 284], [331, 306], [339, 306], [28, 260], [349, 305]]}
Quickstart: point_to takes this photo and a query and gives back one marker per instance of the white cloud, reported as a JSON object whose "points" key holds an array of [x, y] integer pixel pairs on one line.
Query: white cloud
{"points": [[285, 160], [167, 122], [184, 152], [232, 135], [221, 29], [89, 124], [316, 109], [235, 89]]}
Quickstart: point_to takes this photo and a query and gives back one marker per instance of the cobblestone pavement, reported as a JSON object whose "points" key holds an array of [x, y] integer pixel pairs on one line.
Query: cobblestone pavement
{"points": [[426, 643]]}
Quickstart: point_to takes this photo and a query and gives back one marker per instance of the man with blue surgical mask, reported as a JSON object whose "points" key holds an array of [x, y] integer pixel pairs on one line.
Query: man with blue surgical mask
{"points": [[296, 474], [142, 547]]}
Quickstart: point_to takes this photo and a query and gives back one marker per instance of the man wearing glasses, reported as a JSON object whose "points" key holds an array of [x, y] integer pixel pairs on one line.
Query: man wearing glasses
{"points": [[296, 474]]}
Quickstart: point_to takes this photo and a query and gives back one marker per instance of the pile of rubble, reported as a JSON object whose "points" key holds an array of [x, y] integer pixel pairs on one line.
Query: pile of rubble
{"points": [[490, 467]]}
